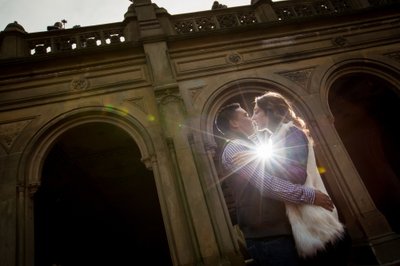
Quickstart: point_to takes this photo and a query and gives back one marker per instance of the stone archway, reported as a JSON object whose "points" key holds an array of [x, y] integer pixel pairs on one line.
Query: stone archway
{"points": [[366, 111], [97, 203], [60, 150], [243, 92]]}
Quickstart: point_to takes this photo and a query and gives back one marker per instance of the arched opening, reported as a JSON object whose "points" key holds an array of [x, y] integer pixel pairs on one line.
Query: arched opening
{"points": [[366, 111], [97, 203], [243, 93]]}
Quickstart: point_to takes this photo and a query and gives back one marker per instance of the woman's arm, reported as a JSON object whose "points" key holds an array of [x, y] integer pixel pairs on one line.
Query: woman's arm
{"points": [[293, 165]]}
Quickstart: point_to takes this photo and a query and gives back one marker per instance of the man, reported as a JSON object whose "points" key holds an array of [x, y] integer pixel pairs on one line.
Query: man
{"points": [[260, 196]]}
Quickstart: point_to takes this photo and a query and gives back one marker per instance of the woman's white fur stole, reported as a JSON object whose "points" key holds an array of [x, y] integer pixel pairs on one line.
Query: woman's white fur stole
{"points": [[313, 227]]}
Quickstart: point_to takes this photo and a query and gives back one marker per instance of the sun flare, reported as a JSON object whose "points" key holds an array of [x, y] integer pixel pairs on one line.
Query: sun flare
{"points": [[264, 150]]}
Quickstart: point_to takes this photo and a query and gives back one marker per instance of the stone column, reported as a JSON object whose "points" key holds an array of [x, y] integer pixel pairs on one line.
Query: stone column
{"points": [[192, 232], [264, 10], [12, 193]]}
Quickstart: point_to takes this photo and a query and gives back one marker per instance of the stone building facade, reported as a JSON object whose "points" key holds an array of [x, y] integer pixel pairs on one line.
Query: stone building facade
{"points": [[108, 130]]}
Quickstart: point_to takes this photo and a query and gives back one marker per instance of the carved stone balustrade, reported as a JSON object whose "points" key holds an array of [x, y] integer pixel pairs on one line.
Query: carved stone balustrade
{"points": [[75, 39], [259, 12]]}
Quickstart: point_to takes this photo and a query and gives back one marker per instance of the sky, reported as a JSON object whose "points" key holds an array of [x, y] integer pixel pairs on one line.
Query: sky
{"points": [[36, 15]]}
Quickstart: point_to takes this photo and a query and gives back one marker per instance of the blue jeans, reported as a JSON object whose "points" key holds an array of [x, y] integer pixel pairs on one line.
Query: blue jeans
{"points": [[279, 251]]}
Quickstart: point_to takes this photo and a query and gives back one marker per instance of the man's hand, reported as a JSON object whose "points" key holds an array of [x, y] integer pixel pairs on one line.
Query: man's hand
{"points": [[323, 200]]}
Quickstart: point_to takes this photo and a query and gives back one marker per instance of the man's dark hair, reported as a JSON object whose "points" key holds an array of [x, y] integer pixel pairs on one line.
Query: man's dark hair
{"points": [[224, 115]]}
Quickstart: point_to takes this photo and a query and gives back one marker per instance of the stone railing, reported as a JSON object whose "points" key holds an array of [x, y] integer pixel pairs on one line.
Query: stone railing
{"points": [[261, 11], [246, 15], [214, 20], [278, 11], [297, 9], [75, 39]]}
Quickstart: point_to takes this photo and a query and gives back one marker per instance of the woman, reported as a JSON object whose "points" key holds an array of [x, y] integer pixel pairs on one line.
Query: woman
{"points": [[316, 231]]}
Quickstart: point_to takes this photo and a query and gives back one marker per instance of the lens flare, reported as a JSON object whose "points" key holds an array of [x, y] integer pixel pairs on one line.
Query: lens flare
{"points": [[264, 150], [151, 118], [321, 170]]}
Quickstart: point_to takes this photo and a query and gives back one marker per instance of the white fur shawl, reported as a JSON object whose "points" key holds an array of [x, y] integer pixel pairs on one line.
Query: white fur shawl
{"points": [[313, 227]]}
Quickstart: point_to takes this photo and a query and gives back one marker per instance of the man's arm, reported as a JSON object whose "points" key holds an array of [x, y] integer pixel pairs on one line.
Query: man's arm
{"points": [[268, 185]]}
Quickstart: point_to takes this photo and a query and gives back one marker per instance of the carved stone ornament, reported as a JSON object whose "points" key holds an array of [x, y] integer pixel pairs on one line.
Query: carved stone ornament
{"points": [[167, 94], [139, 103], [234, 58], [149, 161], [299, 77], [79, 84], [340, 41], [10, 131]]}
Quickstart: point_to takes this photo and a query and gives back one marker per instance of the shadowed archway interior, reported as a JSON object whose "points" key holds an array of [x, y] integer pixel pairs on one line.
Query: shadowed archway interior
{"points": [[366, 111], [97, 203]]}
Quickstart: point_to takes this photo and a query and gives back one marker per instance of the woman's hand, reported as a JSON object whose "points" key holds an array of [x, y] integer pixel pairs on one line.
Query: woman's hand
{"points": [[323, 200]]}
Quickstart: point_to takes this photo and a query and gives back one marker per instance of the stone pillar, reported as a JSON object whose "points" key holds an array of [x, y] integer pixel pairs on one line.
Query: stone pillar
{"points": [[193, 237], [131, 30], [264, 10], [11, 194], [13, 42]]}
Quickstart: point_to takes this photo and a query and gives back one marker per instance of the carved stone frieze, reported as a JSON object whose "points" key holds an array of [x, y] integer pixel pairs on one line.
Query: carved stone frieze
{"points": [[300, 77], [10, 131]]}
